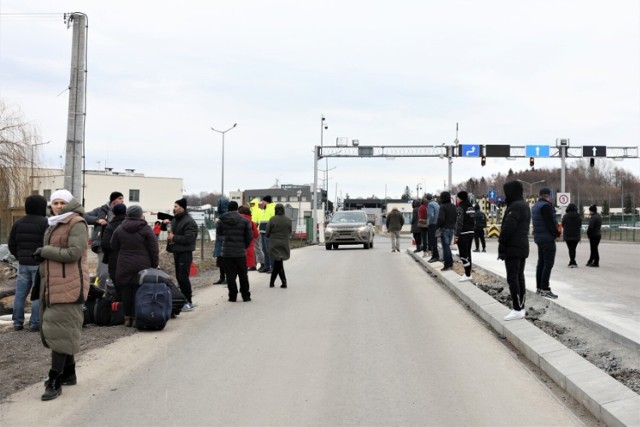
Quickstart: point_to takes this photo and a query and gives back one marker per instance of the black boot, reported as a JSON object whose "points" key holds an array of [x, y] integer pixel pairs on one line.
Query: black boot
{"points": [[68, 376], [53, 388]]}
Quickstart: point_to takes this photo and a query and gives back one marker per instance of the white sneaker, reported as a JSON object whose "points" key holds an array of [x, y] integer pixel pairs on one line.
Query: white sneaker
{"points": [[464, 278], [187, 307], [515, 315]]}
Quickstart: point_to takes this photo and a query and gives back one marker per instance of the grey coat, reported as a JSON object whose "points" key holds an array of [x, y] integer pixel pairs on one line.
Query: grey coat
{"points": [[278, 232]]}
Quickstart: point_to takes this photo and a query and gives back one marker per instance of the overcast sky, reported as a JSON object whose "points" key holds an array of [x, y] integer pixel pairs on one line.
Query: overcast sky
{"points": [[161, 73]]}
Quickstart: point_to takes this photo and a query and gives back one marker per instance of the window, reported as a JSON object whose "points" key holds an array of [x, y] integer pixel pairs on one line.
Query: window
{"points": [[46, 194], [134, 195]]}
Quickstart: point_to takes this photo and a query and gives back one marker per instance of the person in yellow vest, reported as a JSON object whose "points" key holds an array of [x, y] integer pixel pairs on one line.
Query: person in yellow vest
{"points": [[269, 211], [256, 214]]}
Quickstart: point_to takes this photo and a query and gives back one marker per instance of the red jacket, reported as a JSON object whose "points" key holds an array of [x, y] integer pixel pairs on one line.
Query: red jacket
{"points": [[251, 255]]}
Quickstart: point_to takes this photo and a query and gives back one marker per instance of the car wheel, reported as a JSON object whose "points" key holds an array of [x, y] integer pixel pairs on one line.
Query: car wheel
{"points": [[327, 247], [366, 245], [371, 244], [335, 246]]}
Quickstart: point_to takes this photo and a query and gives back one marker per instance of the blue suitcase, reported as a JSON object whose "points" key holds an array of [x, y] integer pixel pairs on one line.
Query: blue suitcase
{"points": [[153, 304]]}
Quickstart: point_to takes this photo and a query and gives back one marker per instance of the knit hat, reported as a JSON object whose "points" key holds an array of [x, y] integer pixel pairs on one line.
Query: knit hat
{"points": [[463, 195], [267, 198], [545, 192], [593, 208], [120, 209], [232, 206], [182, 203], [429, 196], [134, 211], [115, 195], [61, 194]]}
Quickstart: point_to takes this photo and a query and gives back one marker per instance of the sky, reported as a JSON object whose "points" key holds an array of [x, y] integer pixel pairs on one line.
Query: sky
{"points": [[161, 74]]}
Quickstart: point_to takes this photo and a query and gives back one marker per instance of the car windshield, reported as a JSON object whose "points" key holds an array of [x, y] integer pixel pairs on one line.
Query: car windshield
{"points": [[346, 217]]}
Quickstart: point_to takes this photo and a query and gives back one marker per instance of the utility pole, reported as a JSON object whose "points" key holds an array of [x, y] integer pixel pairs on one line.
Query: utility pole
{"points": [[74, 159]]}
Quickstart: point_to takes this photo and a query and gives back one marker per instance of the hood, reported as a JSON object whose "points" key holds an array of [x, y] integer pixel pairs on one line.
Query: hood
{"points": [[513, 191], [255, 200], [572, 208], [445, 197], [231, 218], [73, 206], [35, 205], [133, 225]]}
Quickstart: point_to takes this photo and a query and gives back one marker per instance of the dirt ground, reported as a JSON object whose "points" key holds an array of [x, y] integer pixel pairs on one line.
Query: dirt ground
{"points": [[24, 360]]}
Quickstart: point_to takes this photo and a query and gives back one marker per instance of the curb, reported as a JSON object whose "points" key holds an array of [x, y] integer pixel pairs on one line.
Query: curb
{"points": [[607, 399]]}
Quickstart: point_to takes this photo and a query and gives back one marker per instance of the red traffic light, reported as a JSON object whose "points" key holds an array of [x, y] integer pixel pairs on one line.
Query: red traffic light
{"points": [[532, 161], [483, 161]]}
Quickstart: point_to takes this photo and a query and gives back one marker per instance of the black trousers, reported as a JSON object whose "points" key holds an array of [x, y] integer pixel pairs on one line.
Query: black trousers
{"points": [[433, 242], [237, 267], [278, 270], [127, 295], [464, 251], [572, 245], [418, 239], [60, 360], [515, 279], [424, 238], [594, 257], [478, 235], [182, 261]]}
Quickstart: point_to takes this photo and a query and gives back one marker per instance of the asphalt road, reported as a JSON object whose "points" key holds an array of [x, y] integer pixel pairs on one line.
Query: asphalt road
{"points": [[361, 337]]}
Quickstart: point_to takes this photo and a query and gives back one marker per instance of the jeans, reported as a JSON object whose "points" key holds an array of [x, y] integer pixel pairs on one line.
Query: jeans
{"points": [[515, 278], [183, 262], [265, 250], [546, 259], [424, 238], [447, 238], [24, 282]]}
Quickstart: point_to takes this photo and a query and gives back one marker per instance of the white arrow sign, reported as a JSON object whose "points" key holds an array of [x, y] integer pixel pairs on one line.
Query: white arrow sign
{"points": [[594, 151]]}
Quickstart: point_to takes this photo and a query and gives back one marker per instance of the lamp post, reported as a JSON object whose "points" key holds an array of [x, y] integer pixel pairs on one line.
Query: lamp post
{"points": [[32, 160], [418, 188], [223, 132], [323, 127], [531, 184]]}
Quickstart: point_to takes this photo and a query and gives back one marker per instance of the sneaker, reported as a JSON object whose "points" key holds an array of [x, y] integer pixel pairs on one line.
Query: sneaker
{"points": [[432, 259], [34, 329], [18, 327], [547, 293], [416, 251], [538, 291], [573, 265], [484, 250], [220, 281], [187, 307], [464, 278], [424, 255], [476, 250], [515, 315]]}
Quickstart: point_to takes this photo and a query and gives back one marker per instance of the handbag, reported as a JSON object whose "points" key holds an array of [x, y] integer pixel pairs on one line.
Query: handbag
{"points": [[422, 223]]}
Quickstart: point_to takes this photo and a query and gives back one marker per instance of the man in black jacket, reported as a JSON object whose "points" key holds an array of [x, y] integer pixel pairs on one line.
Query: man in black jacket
{"points": [[513, 245], [447, 223], [181, 242], [26, 236], [545, 234], [478, 229], [236, 235], [464, 232]]}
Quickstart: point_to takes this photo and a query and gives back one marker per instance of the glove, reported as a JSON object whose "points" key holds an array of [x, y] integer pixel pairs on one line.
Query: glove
{"points": [[36, 255]]}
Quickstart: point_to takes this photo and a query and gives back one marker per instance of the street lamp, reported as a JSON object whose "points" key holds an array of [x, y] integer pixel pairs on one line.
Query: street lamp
{"points": [[418, 188], [531, 184], [32, 157], [223, 132]]}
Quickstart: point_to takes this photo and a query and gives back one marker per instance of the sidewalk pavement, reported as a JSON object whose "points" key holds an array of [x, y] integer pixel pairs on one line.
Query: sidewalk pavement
{"points": [[606, 298]]}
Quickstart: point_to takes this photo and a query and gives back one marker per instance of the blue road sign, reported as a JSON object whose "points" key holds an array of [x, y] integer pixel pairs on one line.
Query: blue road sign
{"points": [[537, 151], [470, 150], [493, 194]]}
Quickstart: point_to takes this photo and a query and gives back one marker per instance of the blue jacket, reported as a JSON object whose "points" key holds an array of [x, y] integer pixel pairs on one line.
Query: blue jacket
{"points": [[545, 224], [433, 209]]}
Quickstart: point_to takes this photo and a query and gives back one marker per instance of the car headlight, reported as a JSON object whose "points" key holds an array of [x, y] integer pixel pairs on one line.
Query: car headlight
{"points": [[363, 229]]}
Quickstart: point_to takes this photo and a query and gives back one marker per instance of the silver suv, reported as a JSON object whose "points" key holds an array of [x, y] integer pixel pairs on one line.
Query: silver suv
{"points": [[348, 228]]}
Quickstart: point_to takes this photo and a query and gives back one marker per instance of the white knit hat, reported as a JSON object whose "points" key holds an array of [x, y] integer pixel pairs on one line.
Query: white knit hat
{"points": [[61, 194]]}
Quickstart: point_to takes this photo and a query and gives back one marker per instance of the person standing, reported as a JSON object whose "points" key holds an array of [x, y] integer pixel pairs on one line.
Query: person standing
{"points": [[236, 236], [415, 228], [25, 237], [594, 234], [256, 214], [181, 242], [478, 229], [447, 223], [394, 223], [110, 256], [157, 228], [64, 287], [464, 232], [137, 250], [513, 245], [268, 212], [545, 234], [423, 223], [433, 211], [99, 218], [279, 234], [245, 212], [571, 228]]}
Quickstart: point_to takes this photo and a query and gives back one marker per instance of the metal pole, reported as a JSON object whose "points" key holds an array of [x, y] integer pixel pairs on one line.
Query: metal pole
{"points": [[314, 196], [450, 156], [222, 180], [563, 154]]}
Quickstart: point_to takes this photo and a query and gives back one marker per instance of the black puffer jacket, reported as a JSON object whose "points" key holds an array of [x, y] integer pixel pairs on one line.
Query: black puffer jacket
{"points": [[27, 233], [235, 233], [137, 249], [571, 224], [185, 233], [514, 233], [448, 214], [110, 256]]}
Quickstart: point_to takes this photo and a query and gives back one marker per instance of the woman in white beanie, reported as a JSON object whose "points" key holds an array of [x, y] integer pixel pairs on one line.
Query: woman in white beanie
{"points": [[64, 287]]}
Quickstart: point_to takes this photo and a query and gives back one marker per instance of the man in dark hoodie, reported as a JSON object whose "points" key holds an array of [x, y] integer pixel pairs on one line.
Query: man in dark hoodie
{"points": [[447, 222], [545, 234], [26, 236], [465, 221], [513, 246], [236, 235]]}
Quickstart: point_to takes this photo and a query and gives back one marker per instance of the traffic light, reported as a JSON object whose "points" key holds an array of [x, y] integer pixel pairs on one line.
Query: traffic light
{"points": [[483, 161], [592, 162], [532, 161]]}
